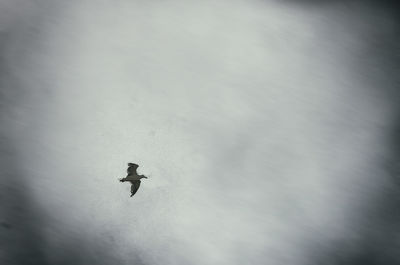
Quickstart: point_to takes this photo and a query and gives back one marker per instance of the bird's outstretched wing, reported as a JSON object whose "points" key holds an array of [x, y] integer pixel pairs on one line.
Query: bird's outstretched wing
{"points": [[132, 169], [135, 186]]}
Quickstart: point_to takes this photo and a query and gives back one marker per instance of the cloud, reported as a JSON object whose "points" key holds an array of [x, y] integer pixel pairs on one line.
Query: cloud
{"points": [[261, 131]]}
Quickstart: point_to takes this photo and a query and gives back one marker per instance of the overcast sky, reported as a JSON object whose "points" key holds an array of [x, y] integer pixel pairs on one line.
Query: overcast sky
{"points": [[268, 130]]}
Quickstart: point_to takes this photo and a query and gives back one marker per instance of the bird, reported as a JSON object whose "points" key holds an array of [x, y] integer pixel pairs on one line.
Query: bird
{"points": [[133, 178]]}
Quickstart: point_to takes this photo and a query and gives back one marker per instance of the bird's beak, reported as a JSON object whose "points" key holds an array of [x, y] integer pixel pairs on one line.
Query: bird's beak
{"points": [[145, 177]]}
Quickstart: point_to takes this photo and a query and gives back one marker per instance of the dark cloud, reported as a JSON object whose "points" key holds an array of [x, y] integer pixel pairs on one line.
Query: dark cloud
{"points": [[383, 3], [376, 228]]}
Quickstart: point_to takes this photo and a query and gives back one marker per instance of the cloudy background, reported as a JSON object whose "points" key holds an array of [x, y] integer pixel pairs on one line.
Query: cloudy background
{"points": [[270, 131]]}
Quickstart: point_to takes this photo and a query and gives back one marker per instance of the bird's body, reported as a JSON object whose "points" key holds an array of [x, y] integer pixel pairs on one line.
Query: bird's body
{"points": [[133, 178]]}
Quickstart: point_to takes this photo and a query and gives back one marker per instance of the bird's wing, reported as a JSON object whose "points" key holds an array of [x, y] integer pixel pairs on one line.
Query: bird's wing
{"points": [[132, 169], [134, 187]]}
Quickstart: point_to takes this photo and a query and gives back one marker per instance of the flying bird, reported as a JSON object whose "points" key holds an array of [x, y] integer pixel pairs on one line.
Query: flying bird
{"points": [[133, 178]]}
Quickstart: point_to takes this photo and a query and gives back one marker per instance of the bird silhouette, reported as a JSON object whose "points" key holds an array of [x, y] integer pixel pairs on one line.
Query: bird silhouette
{"points": [[133, 178]]}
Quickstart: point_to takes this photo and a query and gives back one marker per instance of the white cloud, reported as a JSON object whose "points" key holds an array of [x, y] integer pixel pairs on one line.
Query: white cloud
{"points": [[253, 132]]}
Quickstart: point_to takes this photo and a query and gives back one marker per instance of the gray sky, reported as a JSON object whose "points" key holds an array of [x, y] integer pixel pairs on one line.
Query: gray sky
{"points": [[264, 127]]}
